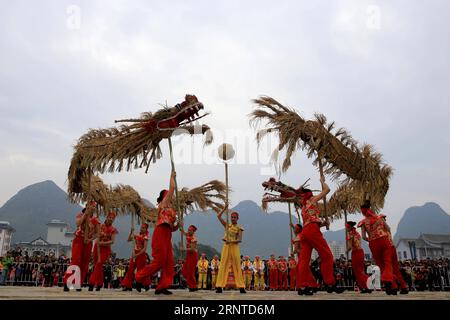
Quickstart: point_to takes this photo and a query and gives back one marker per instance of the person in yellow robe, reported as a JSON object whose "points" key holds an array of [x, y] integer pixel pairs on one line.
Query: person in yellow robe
{"points": [[202, 268], [258, 269], [215, 262], [247, 270], [231, 253]]}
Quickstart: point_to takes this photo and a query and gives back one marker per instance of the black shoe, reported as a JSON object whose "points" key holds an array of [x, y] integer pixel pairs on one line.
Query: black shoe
{"points": [[127, 289], [66, 288], [79, 290], [138, 286], [193, 289], [146, 288], [388, 288], [307, 292], [333, 288], [366, 290], [98, 288], [242, 290], [404, 291], [91, 288], [163, 291], [219, 290]]}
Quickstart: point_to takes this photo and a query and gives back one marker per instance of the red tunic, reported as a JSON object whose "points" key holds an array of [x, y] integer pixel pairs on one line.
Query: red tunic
{"points": [[310, 214], [273, 264], [375, 226], [190, 240], [106, 233], [93, 221], [139, 242], [166, 215], [355, 239], [282, 265], [292, 264]]}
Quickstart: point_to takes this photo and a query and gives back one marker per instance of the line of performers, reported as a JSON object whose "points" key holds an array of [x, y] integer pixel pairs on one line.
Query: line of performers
{"points": [[374, 229]]}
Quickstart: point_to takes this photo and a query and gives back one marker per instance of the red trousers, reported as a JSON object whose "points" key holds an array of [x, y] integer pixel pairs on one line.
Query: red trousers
{"points": [[81, 254], [273, 279], [396, 269], [188, 270], [96, 278], [162, 258], [358, 268], [282, 280], [311, 238], [136, 263], [382, 253], [308, 278], [292, 273]]}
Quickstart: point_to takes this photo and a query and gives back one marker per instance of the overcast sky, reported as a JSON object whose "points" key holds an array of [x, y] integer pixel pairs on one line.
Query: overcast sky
{"points": [[378, 68]]}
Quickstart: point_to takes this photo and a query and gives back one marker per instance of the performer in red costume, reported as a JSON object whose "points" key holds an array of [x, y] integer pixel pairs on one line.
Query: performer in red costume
{"points": [[138, 258], [105, 240], [190, 264], [273, 273], [312, 283], [162, 243], [354, 244], [311, 238], [292, 272], [88, 228], [282, 273], [375, 230]]}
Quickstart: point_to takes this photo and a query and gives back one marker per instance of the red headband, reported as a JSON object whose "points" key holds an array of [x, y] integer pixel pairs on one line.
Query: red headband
{"points": [[193, 227], [236, 214]]}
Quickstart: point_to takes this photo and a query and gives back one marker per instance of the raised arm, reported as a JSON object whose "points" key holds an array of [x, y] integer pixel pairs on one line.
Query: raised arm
{"points": [[219, 216], [130, 236], [325, 191], [168, 198]]}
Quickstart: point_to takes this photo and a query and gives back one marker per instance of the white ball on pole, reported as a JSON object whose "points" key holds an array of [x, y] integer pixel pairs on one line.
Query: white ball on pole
{"points": [[226, 152]]}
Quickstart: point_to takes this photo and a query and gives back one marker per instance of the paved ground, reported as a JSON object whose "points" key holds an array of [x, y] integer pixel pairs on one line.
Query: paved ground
{"points": [[39, 293]]}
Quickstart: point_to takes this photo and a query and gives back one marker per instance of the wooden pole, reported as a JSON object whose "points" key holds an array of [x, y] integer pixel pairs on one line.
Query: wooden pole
{"points": [[86, 226], [226, 199], [180, 214], [290, 223], [346, 234], [132, 227], [298, 216], [325, 197]]}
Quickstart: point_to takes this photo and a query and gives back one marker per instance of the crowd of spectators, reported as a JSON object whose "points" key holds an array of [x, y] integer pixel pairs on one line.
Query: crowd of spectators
{"points": [[17, 269]]}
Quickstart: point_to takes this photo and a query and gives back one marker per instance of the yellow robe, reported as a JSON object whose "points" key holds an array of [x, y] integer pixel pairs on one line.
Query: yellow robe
{"points": [[230, 257], [202, 267]]}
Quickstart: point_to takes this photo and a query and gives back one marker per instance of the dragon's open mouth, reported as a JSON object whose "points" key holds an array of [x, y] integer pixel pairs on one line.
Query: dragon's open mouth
{"points": [[190, 113]]}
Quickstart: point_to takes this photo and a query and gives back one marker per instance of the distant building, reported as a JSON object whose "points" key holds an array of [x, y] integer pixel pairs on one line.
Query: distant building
{"points": [[58, 242], [337, 249], [425, 246], [6, 232]]}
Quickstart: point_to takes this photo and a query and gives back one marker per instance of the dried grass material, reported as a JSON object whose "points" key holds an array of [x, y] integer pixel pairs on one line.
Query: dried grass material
{"points": [[125, 147], [211, 195], [340, 154], [122, 199], [208, 196]]}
